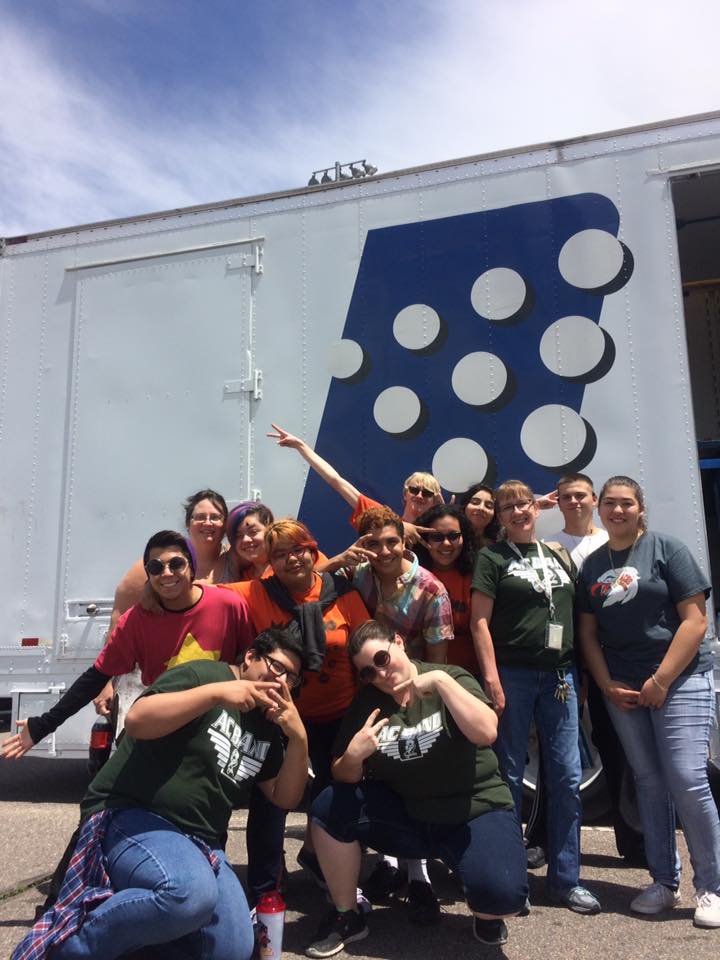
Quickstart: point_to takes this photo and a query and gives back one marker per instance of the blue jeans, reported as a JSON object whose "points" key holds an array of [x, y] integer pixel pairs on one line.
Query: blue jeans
{"points": [[166, 894], [667, 750], [487, 853], [531, 694]]}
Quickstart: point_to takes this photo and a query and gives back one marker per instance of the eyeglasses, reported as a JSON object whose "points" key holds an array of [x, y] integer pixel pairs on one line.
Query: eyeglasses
{"points": [[420, 492], [453, 536], [282, 556], [174, 565], [380, 659], [207, 518], [278, 669], [518, 505]]}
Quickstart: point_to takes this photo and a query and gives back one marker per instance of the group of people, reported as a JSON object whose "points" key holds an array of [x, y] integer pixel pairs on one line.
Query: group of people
{"points": [[405, 672]]}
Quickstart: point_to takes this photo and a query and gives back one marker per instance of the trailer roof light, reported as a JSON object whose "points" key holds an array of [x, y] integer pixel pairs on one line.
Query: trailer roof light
{"points": [[353, 170]]}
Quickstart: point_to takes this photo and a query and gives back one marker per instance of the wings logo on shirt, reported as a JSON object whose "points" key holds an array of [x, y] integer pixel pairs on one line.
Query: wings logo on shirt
{"points": [[410, 743], [189, 650], [616, 587], [558, 573], [240, 755]]}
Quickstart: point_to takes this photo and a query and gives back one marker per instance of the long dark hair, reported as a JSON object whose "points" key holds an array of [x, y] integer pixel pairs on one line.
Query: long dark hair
{"points": [[465, 562], [492, 530]]}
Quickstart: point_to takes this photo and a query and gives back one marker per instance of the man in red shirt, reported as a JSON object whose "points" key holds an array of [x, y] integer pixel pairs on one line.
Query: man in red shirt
{"points": [[197, 624]]}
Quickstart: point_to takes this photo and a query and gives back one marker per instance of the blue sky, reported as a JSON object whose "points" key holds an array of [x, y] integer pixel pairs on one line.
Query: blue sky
{"points": [[117, 107]]}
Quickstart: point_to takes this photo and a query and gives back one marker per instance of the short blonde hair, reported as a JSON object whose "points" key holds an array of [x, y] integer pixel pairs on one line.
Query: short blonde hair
{"points": [[422, 479]]}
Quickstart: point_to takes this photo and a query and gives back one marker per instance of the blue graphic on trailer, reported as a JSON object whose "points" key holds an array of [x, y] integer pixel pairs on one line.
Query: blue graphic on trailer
{"points": [[466, 350]]}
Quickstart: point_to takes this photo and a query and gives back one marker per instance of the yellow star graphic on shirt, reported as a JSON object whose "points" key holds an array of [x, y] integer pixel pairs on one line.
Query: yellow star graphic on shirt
{"points": [[191, 650]]}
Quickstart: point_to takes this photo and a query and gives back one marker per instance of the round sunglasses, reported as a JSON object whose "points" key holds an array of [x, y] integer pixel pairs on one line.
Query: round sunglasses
{"points": [[380, 659], [174, 564]]}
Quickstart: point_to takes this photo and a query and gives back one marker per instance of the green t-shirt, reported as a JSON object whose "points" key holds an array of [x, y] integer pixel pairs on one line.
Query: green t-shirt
{"points": [[193, 776], [441, 776], [521, 613]]}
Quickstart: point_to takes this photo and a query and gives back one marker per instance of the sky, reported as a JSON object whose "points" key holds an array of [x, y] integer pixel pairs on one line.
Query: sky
{"points": [[112, 108]]}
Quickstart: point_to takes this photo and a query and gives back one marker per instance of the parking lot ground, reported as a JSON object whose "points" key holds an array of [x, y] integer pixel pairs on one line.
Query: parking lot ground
{"points": [[34, 833]]}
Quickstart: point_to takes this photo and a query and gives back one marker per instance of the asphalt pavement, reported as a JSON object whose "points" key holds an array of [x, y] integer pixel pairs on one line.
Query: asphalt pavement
{"points": [[38, 812]]}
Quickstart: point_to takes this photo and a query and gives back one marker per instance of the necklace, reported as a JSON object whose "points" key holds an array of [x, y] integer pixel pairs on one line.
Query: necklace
{"points": [[627, 562]]}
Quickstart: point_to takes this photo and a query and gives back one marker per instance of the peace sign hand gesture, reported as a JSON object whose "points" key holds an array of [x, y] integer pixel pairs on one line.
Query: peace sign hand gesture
{"points": [[366, 741]]}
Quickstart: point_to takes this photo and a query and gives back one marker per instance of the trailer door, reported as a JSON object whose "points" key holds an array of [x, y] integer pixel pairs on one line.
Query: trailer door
{"points": [[159, 406]]}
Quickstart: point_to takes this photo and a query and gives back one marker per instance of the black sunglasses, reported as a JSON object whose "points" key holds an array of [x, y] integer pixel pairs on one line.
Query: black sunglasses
{"points": [[420, 492], [380, 659], [453, 537], [174, 565]]}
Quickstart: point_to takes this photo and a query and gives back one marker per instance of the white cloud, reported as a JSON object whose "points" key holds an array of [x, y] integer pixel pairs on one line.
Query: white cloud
{"points": [[487, 76]]}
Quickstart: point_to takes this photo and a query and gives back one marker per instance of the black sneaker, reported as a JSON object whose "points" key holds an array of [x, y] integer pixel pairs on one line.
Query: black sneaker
{"points": [[422, 903], [309, 862], [492, 932], [337, 930], [536, 858], [382, 882]]}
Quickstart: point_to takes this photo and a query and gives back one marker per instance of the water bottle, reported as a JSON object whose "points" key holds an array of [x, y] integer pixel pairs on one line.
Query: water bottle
{"points": [[270, 914]]}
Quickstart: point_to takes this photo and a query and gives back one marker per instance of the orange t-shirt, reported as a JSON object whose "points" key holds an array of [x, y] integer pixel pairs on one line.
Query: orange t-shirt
{"points": [[461, 650], [327, 694], [364, 503]]}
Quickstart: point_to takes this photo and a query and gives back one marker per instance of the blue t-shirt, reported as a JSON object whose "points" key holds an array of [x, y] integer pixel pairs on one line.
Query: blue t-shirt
{"points": [[634, 599]]}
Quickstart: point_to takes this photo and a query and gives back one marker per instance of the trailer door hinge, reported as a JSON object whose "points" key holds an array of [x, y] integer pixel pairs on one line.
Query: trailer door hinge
{"points": [[252, 385]]}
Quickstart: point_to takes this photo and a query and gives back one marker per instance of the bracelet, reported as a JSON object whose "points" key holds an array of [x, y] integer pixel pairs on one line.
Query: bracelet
{"points": [[657, 683]]}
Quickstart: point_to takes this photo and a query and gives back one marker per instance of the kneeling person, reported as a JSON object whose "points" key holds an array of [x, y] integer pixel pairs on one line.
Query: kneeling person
{"points": [[196, 741], [421, 734]]}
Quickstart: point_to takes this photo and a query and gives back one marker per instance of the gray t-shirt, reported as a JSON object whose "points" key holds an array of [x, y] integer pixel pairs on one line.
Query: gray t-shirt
{"points": [[634, 600]]}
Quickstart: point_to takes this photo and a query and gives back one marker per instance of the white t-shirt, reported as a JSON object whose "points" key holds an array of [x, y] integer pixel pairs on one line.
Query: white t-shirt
{"points": [[579, 547]]}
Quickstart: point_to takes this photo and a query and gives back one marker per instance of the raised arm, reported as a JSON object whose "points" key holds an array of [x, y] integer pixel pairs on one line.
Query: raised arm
{"points": [[475, 719], [158, 714], [329, 474]]}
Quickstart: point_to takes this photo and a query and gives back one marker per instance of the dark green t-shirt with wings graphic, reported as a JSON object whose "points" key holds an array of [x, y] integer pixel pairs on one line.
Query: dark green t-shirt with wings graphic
{"points": [[194, 776], [441, 776]]}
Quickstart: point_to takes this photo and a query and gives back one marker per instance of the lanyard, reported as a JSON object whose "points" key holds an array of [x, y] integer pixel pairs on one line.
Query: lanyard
{"points": [[540, 586]]}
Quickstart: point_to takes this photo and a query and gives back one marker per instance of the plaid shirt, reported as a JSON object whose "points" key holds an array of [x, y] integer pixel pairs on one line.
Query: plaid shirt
{"points": [[419, 610], [86, 886]]}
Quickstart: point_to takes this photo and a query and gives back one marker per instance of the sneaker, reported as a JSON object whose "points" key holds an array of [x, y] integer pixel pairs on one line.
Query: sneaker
{"points": [[382, 882], [492, 932], [536, 858], [707, 911], [337, 930], [309, 862], [580, 900], [525, 909], [654, 899], [363, 904], [422, 903]]}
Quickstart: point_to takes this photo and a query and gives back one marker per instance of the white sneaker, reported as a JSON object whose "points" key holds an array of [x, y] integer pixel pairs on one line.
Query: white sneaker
{"points": [[707, 912], [654, 899]]}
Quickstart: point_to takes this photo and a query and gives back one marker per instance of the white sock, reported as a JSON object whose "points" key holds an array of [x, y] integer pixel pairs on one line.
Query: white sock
{"points": [[417, 870], [390, 861]]}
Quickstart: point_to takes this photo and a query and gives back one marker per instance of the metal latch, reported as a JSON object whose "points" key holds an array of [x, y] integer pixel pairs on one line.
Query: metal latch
{"points": [[253, 385], [252, 259]]}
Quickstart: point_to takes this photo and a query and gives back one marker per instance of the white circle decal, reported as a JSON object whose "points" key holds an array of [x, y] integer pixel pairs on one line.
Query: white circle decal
{"points": [[591, 259], [553, 435], [458, 463], [416, 326], [572, 346], [345, 359], [498, 294], [479, 378], [397, 409]]}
